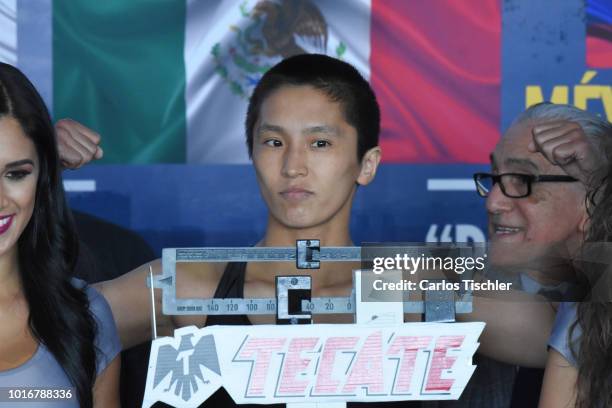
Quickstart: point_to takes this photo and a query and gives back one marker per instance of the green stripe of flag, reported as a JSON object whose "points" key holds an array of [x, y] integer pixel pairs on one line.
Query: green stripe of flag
{"points": [[118, 67]]}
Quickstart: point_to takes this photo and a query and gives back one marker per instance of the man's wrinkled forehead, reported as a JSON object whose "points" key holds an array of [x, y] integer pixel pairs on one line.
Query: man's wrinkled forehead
{"points": [[512, 151], [512, 162]]}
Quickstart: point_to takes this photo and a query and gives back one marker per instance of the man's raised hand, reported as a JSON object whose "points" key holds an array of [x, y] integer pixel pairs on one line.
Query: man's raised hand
{"points": [[77, 144]]}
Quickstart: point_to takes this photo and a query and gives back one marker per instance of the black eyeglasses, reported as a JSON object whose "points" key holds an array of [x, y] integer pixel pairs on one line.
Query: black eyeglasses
{"points": [[513, 185]]}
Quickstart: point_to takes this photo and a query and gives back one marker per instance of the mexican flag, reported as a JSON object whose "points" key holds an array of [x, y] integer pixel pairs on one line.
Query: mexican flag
{"points": [[168, 81]]}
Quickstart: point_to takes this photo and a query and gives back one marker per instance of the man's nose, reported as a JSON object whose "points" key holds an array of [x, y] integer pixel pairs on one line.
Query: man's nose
{"points": [[497, 202], [295, 161]]}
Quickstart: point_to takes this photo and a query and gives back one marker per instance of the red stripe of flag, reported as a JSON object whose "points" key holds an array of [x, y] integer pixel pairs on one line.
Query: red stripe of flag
{"points": [[435, 67]]}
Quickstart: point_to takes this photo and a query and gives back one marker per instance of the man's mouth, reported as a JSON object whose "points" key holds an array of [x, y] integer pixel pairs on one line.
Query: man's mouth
{"points": [[499, 229], [295, 194]]}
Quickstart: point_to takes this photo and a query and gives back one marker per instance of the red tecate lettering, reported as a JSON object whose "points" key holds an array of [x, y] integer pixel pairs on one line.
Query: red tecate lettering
{"points": [[409, 347], [368, 368], [259, 350], [440, 361], [325, 383], [295, 365]]}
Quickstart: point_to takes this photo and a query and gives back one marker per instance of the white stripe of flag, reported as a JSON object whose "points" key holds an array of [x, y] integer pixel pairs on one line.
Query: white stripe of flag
{"points": [[79, 186], [450, 185]]}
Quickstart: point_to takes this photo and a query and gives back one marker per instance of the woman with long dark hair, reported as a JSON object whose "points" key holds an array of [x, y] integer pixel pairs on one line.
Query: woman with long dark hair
{"points": [[57, 336]]}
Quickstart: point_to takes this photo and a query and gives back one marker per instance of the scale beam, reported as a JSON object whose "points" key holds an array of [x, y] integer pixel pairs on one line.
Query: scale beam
{"points": [[307, 252]]}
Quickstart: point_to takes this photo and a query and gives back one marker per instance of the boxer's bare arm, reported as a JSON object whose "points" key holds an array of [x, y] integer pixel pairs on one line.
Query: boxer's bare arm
{"points": [[518, 324], [130, 301], [517, 327]]}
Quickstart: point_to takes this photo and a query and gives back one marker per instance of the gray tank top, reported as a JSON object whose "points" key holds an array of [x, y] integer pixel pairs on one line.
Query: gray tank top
{"points": [[43, 371]]}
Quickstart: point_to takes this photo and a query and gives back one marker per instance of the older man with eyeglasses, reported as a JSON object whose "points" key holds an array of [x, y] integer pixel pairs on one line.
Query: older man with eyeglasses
{"points": [[542, 172], [536, 194]]}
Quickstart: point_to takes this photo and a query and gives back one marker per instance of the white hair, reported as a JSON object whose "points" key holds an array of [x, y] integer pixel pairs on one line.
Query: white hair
{"points": [[598, 130]]}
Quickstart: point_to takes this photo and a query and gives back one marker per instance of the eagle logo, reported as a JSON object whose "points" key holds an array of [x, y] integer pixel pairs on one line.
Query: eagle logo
{"points": [[183, 364], [270, 31]]}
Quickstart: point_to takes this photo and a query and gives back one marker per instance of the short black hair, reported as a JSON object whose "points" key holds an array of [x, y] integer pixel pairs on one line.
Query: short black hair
{"points": [[340, 81]]}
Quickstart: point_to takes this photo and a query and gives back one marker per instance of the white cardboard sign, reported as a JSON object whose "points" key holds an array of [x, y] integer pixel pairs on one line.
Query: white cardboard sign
{"points": [[317, 363]]}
